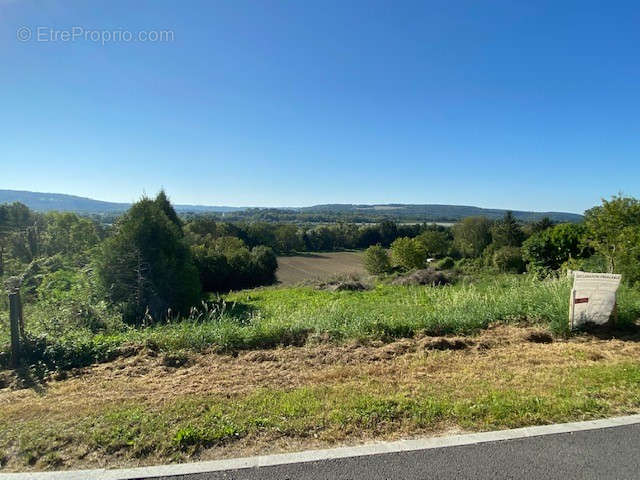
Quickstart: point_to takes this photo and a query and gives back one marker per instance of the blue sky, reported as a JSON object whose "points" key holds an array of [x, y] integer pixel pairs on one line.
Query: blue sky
{"points": [[523, 105]]}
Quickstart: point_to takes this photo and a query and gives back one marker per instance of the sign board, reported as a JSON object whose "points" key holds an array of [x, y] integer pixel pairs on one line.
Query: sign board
{"points": [[593, 297]]}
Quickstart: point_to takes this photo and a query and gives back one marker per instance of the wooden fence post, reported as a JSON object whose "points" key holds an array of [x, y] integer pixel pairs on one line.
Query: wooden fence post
{"points": [[15, 314]]}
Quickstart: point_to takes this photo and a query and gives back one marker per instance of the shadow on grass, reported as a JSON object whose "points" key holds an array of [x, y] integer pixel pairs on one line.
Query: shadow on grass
{"points": [[627, 332], [305, 255], [24, 377], [237, 310]]}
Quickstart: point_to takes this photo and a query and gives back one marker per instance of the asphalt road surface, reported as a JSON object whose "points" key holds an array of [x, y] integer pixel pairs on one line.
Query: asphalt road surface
{"points": [[608, 453]]}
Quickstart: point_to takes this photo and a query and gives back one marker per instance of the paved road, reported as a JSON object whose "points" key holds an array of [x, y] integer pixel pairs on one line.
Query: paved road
{"points": [[609, 453]]}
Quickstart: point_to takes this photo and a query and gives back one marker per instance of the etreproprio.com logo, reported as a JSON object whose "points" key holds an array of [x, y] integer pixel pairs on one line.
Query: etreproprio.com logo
{"points": [[44, 34]]}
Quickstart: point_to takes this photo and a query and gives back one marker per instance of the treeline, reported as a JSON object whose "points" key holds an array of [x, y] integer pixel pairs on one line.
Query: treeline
{"points": [[608, 240], [144, 266], [280, 215], [26, 236], [289, 238], [151, 264], [476, 242]]}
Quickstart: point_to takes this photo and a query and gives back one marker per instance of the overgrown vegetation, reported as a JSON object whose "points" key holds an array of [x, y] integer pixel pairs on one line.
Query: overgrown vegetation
{"points": [[266, 318], [158, 294], [89, 291]]}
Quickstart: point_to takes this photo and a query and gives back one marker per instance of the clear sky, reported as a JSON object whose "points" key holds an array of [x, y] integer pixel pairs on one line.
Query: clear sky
{"points": [[507, 104]]}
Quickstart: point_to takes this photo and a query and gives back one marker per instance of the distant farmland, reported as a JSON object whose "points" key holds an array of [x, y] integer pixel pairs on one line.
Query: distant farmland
{"points": [[312, 266]]}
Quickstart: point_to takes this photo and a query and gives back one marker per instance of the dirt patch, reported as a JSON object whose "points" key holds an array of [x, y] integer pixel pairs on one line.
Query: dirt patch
{"points": [[301, 268], [177, 359], [398, 348], [446, 344], [260, 356], [539, 336]]}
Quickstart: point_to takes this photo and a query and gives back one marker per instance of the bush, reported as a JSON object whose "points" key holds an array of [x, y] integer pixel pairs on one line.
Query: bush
{"points": [[628, 257], [66, 300], [423, 277], [146, 266], [235, 266], [471, 235], [376, 260], [469, 266], [213, 268], [610, 227], [508, 259], [551, 248], [446, 263], [263, 266], [408, 253], [435, 242]]}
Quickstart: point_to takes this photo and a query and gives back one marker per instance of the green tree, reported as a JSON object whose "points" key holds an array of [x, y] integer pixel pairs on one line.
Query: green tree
{"points": [[408, 253], [213, 268], [69, 234], [472, 235], [163, 202], [507, 232], [228, 245], [201, 226], [264, 265], [551, 248], [436, 243], [606, 226], [628, 255], [376, 260], [542, 224], [508, 259], [260, 233], [388, 232], [288, 239], [146, 266], [367, 236]]}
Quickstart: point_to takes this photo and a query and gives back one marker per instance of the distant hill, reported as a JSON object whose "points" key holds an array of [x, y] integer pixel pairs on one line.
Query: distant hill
{"points": [[44, 202], [435, 212]]}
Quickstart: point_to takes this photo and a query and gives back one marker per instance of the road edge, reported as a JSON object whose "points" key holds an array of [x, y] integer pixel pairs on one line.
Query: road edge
{"points": [[327, 454]]}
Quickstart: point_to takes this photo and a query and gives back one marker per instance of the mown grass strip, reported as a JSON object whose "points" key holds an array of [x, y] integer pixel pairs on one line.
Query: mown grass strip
{"points": [[180, 428]]}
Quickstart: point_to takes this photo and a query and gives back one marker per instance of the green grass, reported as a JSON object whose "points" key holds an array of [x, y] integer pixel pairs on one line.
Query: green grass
{"points": [[389, 312], [180, 428], [267, 317]]}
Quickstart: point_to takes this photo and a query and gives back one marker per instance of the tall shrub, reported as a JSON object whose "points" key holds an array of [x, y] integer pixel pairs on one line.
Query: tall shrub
{"points": [[146, 266]]}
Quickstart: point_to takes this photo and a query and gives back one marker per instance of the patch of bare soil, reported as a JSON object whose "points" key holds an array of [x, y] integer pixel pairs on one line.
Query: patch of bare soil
{"points": [[318, 266]]}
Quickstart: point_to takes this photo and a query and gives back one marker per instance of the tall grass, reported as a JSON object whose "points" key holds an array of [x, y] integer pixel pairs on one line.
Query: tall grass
{"points": [[267, 317], [392, 311]]}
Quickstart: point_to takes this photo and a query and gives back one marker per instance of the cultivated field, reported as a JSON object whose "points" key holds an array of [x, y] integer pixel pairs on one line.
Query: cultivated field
{"points": [[317, 266]]}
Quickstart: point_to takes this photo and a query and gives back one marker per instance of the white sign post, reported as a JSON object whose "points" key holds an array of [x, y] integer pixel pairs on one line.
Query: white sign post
{"points": [[593, 298]]}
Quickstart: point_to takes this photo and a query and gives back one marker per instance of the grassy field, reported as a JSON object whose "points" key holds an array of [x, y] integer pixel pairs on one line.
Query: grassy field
{"points": [[317, 266], [276, 369], [270, 317]]}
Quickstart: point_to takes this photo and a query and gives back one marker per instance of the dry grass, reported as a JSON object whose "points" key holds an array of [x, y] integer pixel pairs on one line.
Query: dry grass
{"points": [[138, 410], [318, 266]]}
